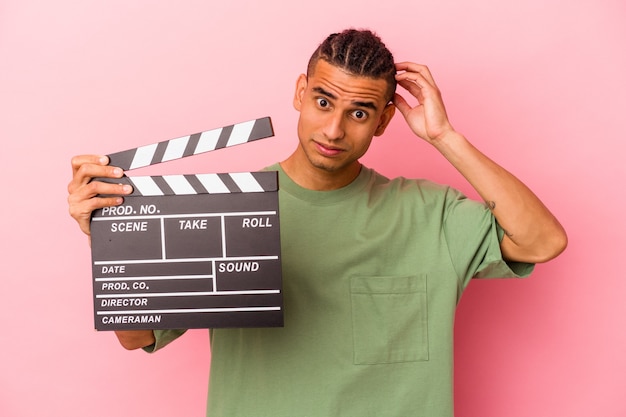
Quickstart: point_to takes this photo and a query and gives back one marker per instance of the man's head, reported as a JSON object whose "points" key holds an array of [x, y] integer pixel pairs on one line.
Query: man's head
{"points": [[359, 52], [344, 101]]}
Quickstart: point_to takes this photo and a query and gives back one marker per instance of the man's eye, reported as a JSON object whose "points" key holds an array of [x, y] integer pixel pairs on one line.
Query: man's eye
{"points": [[322, 102], [359, 114]]}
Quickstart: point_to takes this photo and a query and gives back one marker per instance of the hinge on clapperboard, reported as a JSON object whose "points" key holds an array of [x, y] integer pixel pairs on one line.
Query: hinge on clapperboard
{"points": [[189, 251]]}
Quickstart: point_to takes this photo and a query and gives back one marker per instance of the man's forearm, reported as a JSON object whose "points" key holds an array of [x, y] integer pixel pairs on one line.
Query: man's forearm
{"points": [[135, 339], [533, 234]]}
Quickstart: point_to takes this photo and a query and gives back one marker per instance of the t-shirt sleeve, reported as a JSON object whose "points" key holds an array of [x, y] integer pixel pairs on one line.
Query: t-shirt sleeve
{"points": [[163, 338], [473, 237]]}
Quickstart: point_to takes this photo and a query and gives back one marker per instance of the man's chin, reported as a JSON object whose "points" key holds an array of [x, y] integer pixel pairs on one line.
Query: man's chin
{"points": [[335, 167]]}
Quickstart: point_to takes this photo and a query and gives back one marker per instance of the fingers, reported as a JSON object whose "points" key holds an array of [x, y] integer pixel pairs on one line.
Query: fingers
{"points": [[98, 188], [401, 104], [416, 79], [81, 160], [413, 88], [411, 70], [81, 209], [84, 194], [87, 167], [428, 118], [84, 200]]}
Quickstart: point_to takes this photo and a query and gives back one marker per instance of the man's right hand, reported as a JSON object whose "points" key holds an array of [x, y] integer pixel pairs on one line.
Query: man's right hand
{"points": [[84, 193]]}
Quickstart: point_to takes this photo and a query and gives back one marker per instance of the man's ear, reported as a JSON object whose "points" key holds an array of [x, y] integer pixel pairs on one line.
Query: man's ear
{"points": [[385, 118], [301, 84]]}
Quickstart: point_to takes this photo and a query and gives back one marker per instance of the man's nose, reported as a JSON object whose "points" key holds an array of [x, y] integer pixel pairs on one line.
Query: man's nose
{"points": [[334, 128]]}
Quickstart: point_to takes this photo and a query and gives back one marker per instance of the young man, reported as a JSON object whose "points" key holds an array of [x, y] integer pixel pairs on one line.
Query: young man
{"points": [[372, 268]]}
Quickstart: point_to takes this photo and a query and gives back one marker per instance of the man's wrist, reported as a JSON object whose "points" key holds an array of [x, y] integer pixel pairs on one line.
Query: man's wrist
{"points": [[449, 143]]}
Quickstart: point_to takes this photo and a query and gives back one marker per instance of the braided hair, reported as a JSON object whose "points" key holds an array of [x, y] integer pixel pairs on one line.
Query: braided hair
{"points": [[359, 52]]}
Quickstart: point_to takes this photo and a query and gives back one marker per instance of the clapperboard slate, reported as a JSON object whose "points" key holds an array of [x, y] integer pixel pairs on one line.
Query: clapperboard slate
{"points": [[189, 251]]}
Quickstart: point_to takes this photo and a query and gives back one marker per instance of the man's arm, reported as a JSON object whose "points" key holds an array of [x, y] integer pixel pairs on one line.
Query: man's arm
{"points": [[84, 198], [135, 339], [532, 233]]}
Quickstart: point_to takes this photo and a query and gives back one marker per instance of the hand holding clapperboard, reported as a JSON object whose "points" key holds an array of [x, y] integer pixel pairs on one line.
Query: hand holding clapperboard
{"points": [[189, 251]]}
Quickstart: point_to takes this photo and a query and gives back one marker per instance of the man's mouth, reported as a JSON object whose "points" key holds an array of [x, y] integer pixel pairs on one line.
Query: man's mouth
{"points": [[328, 150]]}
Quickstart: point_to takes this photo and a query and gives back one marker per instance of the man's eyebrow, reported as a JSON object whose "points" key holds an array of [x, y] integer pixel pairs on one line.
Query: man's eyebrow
{"points": [[323, 92], [366, 104]]}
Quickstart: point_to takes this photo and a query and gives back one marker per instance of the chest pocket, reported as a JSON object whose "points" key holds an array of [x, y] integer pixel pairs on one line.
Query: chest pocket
{"points": [[389, 319]]}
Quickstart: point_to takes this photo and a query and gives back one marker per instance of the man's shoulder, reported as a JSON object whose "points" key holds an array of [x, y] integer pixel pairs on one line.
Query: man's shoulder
{"points": [[403, 184], [273, 167]]}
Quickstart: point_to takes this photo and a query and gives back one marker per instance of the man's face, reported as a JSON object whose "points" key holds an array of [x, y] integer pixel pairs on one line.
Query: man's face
{"points": [[339, 115]]}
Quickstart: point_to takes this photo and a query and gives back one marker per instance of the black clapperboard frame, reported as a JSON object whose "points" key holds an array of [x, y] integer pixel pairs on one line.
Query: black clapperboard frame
{"points": [[189, 251]]}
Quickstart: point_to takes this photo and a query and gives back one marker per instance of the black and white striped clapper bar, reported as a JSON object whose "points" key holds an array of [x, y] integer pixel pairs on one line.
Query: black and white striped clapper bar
{"points": [[189, 251]]}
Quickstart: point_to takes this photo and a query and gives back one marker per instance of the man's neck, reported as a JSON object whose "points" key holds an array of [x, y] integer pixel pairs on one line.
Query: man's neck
{"points": [[318, 179]]}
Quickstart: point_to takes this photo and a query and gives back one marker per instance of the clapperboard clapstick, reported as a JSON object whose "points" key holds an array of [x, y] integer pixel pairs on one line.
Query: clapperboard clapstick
{"points": [[190, 251]]}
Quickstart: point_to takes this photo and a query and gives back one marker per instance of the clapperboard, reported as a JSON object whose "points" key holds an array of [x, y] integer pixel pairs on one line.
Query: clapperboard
{"points": [[189, 251]]}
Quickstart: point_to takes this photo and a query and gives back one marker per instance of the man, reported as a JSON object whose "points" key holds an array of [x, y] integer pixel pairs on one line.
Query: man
{"points": [[372, 268]]}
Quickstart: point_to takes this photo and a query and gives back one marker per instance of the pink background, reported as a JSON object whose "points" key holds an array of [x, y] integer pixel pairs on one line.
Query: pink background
{"points": [[536, 84]]}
